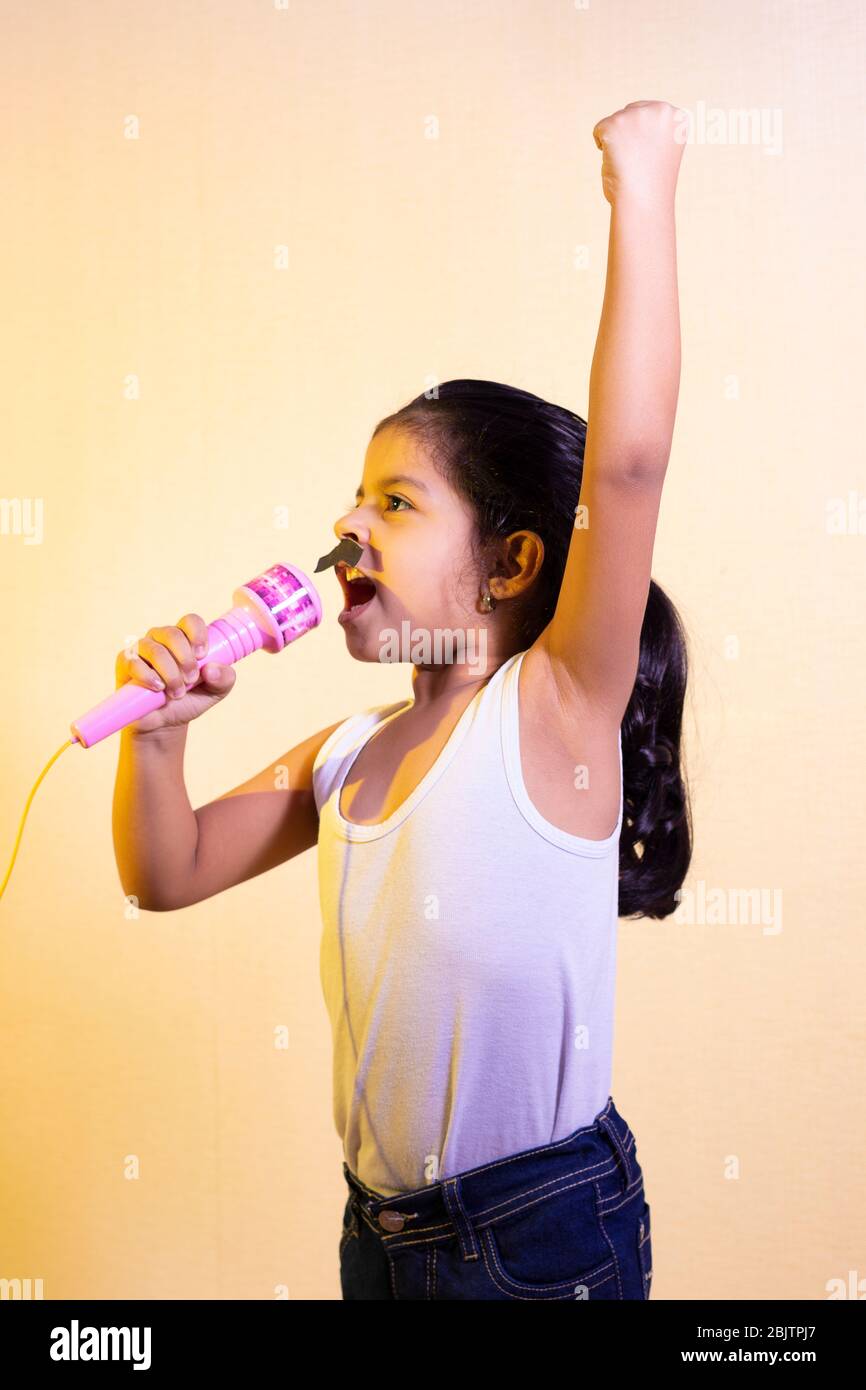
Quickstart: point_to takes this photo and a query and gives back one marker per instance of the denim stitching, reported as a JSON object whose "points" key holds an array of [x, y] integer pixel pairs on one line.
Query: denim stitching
{"points": [[608, 1211], [489, 1247], [619, 1199], [448, 1230], [607, 1164], [620, 1149], [451, 1190], [446, 1227], [392, 1275], [513, 1210], [351, 1228], [459, 1200], [558, 1284], [607, 1239], [515, 1204], [645, 1255]]}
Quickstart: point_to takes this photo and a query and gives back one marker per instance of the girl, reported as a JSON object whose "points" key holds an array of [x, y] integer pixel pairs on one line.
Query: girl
{"points": [[474, 854]]}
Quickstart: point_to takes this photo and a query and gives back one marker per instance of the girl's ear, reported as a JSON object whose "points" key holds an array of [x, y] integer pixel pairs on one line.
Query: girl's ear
{"points": [[521, 557]]}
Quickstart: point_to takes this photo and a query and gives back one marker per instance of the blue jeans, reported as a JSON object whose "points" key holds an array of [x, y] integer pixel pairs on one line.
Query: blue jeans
{"points": [[567, 1220]]}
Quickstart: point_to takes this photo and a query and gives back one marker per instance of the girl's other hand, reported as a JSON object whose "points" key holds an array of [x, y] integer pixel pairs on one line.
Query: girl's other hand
{"points": [[641, 147]]}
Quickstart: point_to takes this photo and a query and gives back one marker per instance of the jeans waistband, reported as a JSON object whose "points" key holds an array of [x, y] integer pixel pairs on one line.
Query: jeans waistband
{"points": [[467, 1201]]}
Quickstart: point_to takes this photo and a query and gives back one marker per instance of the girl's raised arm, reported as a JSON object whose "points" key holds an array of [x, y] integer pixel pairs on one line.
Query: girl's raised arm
{"points": [[593, 639]]}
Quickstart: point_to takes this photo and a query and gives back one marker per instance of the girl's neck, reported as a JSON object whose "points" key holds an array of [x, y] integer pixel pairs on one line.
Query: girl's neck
{"points": [[434, 685]]}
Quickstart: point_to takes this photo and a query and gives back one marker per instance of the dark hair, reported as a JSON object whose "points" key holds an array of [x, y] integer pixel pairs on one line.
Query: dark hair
{"points": [[518, 462]]}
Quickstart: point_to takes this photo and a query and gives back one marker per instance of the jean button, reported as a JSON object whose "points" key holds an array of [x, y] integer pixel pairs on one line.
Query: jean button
{"points": [[392, 1220]]}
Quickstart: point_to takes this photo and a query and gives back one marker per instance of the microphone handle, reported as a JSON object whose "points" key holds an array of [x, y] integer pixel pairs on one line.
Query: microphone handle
{"points": [[272, 610], [234, 635]]}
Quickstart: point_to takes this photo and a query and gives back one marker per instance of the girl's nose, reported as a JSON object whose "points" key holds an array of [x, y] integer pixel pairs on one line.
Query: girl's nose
{"points": [[353, 532]]}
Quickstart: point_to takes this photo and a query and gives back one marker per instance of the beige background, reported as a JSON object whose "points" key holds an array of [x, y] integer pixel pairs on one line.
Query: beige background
{"points": [[431, 173]]}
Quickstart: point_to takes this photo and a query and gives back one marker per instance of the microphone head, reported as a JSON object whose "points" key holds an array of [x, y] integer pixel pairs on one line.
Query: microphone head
{"points": [[285, 600]]}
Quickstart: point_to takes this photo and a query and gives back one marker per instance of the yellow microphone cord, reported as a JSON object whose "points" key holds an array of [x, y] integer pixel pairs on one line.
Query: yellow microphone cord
{"points": [[68, 744]]}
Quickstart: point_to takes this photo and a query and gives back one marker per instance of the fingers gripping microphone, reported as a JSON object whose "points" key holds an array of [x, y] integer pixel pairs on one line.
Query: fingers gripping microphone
{"points": [[269, 612]]}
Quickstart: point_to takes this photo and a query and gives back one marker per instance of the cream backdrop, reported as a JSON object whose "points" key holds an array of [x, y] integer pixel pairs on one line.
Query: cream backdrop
{"points": [[236, 235]]}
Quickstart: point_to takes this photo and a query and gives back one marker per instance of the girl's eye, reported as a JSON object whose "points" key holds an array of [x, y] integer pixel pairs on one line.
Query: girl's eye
{"points": [[392, 497]]}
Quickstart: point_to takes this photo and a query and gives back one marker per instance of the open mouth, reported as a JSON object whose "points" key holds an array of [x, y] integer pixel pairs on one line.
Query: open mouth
{"points": [[357, 588]]}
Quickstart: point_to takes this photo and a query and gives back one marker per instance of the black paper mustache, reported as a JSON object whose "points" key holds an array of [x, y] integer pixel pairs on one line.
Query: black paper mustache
{"points": [[347, 550]]}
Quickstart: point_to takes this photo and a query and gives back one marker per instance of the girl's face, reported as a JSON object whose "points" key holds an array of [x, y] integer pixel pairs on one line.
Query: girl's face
{"points": [[416, 536]]}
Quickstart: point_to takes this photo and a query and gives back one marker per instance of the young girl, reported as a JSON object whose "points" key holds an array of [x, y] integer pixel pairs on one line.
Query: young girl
{"points": [[479, 840]]}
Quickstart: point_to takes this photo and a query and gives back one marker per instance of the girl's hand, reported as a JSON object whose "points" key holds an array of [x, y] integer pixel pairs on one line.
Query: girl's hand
{"points": [[168, 658], [641, 147]]}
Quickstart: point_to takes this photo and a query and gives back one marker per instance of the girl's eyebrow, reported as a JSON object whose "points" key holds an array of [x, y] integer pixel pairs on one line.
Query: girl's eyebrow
{"points": [[397, 478]]}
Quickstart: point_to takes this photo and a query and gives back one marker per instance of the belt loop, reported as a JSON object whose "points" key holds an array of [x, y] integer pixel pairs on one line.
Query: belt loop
{"points": [[360, 1194], [452, 1197], [619, 1148]]}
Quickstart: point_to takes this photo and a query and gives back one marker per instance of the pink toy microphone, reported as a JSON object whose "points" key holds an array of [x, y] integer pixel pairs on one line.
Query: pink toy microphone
{"points": [[269, 612]]}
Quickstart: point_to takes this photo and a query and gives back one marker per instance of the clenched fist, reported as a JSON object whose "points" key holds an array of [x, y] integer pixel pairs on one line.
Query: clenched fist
{"points": [[641, 147]]}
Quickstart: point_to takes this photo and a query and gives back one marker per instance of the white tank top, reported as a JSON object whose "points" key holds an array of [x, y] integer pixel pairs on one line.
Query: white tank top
{"points": [[468, 956]]}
